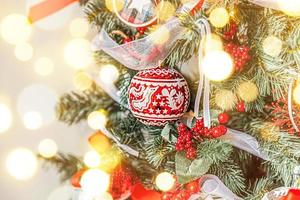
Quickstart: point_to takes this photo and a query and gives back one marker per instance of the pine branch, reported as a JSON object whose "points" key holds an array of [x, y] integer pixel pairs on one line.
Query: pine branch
{"points": [[260, 188]]}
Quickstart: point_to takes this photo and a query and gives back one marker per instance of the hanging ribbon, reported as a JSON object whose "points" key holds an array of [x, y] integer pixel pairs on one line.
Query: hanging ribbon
{"points": [[46, 8]]}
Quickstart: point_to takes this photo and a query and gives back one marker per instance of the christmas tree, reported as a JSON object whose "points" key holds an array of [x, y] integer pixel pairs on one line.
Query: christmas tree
{"points": [[188, 96]]}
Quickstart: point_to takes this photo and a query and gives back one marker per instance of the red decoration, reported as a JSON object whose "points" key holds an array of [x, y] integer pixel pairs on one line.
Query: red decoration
{"points": [[158, 96], [127, 40], [139, 192], [293, 194], [231, 32], [223, 118], [75, 180], [240, 55], [240, 107], [193, 187]]}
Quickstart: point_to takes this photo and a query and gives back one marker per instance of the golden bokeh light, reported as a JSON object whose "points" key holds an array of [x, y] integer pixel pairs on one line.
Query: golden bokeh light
{"points": [[109, 73], [165, 10], [290, 7], [44, 66], [97, 119], [165, 181], [160, 36], [217, 65], [219, 17], [47, 148], [99, 142], [32, 120], [110, 5], [24, 52], [213, 42], [21, 164], [296, 94], [92, 159], [5, 118], [248, 91], [272, 46], [79, 27], [105, 196], [95, 182], [78, 54], [15, 29], [82, 80]]}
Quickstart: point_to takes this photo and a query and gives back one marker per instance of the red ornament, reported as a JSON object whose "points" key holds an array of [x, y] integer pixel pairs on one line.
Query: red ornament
{"points": [[240, 55], [75, 180], [223, 118], [193, 187], [158, 96], [127, 40], [293, 194], [240, 107], [139, 192]]}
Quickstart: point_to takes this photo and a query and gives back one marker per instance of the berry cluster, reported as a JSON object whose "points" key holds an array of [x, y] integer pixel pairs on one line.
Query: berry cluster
{"points": [[187, 138], [184, 194], [231, 32], [240, 55], [140, 31]]}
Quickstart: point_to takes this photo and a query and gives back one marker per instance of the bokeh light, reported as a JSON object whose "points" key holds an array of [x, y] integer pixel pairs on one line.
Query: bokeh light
{"points": [[21, 164], [165, 10], [217, 65], [296, 94], [213, 42], [110, 5], [100, 143], [44, 66], [77, 53], [47, 148], [290, 7], [105, 196], [95, 182], [97, 119], [79, 27], [32, 120], [15, 29], [272, 46], [24, 51], [92, 159], [82, 80], [160, 36], [5, 118], [165, 181], [109, 73], [219, 17]]}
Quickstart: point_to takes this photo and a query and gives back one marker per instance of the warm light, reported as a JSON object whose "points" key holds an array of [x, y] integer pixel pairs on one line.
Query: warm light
{"points": [[24, 51], [21, 164], [272, 46], [79, 27], [77, 53], [213, 42], [32, 120], [109, 73], [105, 196], [219, 17], [5, 118], [100, 143], [97, 120], [47, 148], [296, 94], [165, 10], [110, 6], [15, 29], [165, 181], [44, 66], [160, 36], [92, 159], [290, 7], [217, 65], [82, 80], [95, 182]]}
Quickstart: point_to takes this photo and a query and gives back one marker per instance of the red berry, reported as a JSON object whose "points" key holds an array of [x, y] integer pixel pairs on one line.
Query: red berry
{"points": [[193, 187], [191, 153], [216, 132], [240, 107], [223, 129], [166, 196], [223, 118], [127, 40]]}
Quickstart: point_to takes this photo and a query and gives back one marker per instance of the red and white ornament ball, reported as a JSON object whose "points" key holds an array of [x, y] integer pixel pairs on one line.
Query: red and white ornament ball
{"points": [[158, 96]]}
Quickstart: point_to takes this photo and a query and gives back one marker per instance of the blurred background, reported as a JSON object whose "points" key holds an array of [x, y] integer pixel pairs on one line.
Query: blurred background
{"points": [[39, 62]]}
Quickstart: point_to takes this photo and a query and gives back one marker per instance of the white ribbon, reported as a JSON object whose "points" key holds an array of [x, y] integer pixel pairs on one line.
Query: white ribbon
{"points": [[211, 185], [274, 4]]}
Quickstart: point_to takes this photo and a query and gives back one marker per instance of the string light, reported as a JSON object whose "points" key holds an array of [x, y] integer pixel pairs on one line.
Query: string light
{"points": [[296, 94], [82, 80], [5, 118], [97, 119], [219, 17], [109, 73], [272, 46], [77, 53], [217, 65], [119, 5], [79, 27], [95, 182], [165, 181], [44, 66], [165, 10], [21, 164], [47, 148], [213, 42], [32, 120], [290, 7], [92, 159], [24, 52], [15, 29]]}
